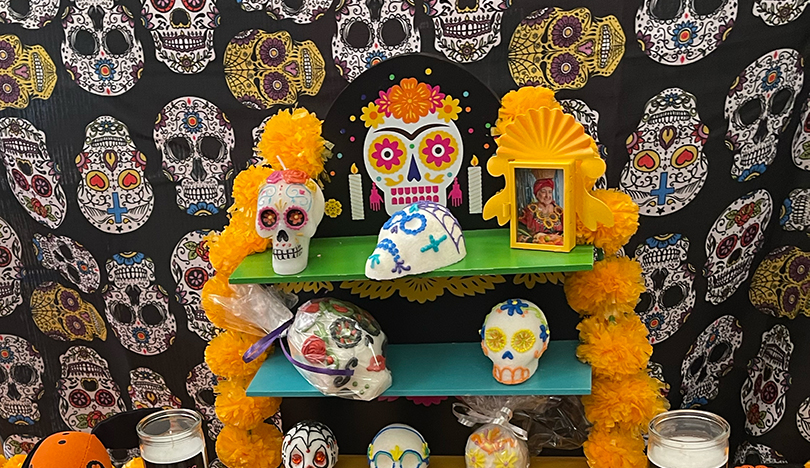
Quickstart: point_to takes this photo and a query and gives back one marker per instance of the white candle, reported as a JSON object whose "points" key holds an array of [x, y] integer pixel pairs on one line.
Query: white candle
{"points": [[688, 439], [173, 437], [688, 452], [356, 194], [474, 186]]}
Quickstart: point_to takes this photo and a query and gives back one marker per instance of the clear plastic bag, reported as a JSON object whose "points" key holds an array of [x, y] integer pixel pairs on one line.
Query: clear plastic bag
{"points": [[497, 443], [255, 309]]}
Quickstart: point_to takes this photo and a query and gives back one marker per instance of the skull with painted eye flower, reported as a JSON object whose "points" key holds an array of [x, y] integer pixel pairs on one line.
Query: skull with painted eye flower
{"points": [[514, 336]]}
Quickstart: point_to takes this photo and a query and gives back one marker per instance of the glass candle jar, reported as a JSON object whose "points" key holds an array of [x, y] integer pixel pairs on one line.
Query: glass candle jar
{"points": [[688, 439], [172, 439]]}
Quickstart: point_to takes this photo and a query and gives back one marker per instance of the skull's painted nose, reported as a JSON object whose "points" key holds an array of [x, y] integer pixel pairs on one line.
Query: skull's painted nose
{"points": [[180, 18], [507, 355], [413, 171], [13, 393], [198, 172], [762, 130], [466, 6], [282, 236]]}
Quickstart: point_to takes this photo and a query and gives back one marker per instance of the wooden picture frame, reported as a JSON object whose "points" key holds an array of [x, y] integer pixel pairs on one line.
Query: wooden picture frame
{"points": [[543, 206]]}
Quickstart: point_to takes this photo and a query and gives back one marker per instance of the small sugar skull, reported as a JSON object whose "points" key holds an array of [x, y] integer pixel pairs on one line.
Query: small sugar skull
{"points": [[493, 446], [670, 282], [62, 314], [32, 175], [795, 215], [68, 257], [309, 444], [21, 386], [16, 444], [196, 140], [685, 31], [781, 283], [758, 108], [757, 454], [200, 384], [191, 269], [33, 14], [332, 334], [183, 32], [147, 389], [87, 392], [467, 31], [561, 49], [138, 307], [100, 51], [26, 72], [303, 12], [514, 336], [803, 419], [264, 69], [11, 269], [667, 167], [369, 32], [801, 141], [764, 390], [709, 358], [779, 12], [398, 446], [733, 241], [589, 118], [422, 237], [114, 194], [290, 207]]}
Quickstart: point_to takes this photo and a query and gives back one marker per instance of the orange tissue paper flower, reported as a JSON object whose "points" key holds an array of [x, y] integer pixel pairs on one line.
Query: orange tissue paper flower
{"points": [[292, 140], [625, 223], [247, 184], [630, 401], [614, 347], [256, 448], [615, 448], [519, 101], [136, 462], [235, 408], [224, 355], [613, 286], [16, 461]]}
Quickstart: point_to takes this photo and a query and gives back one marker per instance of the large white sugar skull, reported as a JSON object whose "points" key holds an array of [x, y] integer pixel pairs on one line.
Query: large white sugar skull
{"points": [[26, 72], [309, 444], [300, 11], [138, 307], [371, 31], [733, 241], [87, 392], [779, 12], [758, 108], [801, 140], [32, 175], [183, 31], [514, 336], [398, 446], [196, 140], [290, 207], [61, 313], [11, 269], [191, 269], [670, 285], [764, 390], [412, 151], [709, 358], [684, 31], [100, 50], [21, 386], [70, 258], [421, 237], [147, 389], [781, 283], [795, 215], [200, 383], [337, 335], [495, 446], [16, 444], [757, 454], [114, 194], [589, 118], [667, 167], [466, 31], [33, 14]]}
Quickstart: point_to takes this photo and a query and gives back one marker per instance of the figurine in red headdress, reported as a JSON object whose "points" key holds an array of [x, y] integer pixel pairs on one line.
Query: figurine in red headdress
{"points": [[541, 222]]}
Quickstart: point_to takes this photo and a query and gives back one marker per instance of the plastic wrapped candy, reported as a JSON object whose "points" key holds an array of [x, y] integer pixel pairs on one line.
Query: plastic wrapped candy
{"points": [[498, 443], [340, 349], [254, 309]]}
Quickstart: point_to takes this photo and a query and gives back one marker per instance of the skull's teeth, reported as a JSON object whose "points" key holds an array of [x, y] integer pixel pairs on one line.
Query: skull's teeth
{"points": [[604, 52], [108, 141], [725, 278], [21, 147], [670, 116], [6, 289], [287, 254], [307, 69], [183, 42], [85, 369], [667, 257], [466, 28], [38, 73], [758, 153]]}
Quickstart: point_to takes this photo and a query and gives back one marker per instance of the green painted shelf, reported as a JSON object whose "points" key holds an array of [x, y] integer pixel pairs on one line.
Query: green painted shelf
{"points": [[442, 369], [344, 258]]}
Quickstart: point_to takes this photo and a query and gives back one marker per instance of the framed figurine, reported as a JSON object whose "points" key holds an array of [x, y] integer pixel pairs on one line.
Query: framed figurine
{"points": [[543, 214]]}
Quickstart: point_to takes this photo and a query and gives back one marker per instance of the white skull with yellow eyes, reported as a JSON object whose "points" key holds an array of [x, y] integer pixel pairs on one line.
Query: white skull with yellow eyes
{"points": [[514, 336]]}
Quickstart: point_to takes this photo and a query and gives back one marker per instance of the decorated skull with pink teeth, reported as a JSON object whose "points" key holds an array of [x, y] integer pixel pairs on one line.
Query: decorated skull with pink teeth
{"points": [[138, 307], [191, 269], [87, 392], [709, 358], [183, 31], [147, 389], [21, 386], [11, 269], [466, 31], [200, 384], [71, 259], [733, 241], [764, 391], [290, 207]]}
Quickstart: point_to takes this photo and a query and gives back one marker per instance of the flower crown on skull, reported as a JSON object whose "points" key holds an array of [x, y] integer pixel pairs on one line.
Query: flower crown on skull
{"points": [[409, 101]]}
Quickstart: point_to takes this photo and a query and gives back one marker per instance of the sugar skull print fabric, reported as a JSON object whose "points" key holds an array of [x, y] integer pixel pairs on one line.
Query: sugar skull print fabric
{"points": [[803, 419], [667, 166], [733, 241], [137, 308], [670, 282], [764, 390], [801, 140], [100, 50], [708, 360], [147, 389], [371, 32], [779, 12], [34, 14], [21, 385], [589, 118], [758, 107], [16, 444], [87, 392], [200, 383], [75, 263], [781, 283], [26, 72], [196, 140], [264, 69], [466, 31], [11, 269], [114, 194], [183, 31], [191, 269], [61, 314], [795, 213], [304, 12], [31, 173], [680, 33], [757, 454], [561, 49]]}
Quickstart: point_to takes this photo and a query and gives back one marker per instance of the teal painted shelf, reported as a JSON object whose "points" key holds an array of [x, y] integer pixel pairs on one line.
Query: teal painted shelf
{"points": [[445, 369], [344, 258]]}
